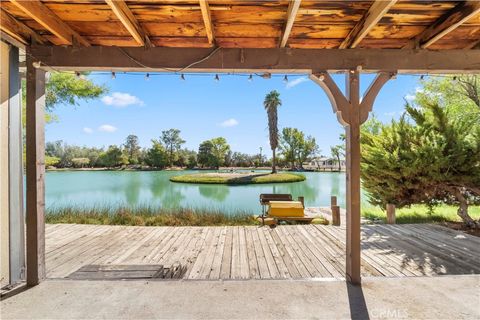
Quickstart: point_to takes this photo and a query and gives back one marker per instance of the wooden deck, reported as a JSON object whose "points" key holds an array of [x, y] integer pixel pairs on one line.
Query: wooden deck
{"points": [[303, 251]]}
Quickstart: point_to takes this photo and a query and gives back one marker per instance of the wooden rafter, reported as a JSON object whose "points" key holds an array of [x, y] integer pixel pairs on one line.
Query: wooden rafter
{"points": [[126, 17], [40, 13], [18, 30], [207, 20], [378, 9], [446, 24], [293, 7]]}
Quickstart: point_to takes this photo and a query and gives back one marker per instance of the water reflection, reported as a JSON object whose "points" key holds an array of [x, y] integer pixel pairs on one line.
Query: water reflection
{"points": [[215, 192], [132, 189], [170, 194], [112, 188]]}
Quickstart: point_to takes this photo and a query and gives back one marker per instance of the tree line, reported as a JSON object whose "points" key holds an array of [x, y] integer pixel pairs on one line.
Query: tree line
{"points": [[168, 151]]}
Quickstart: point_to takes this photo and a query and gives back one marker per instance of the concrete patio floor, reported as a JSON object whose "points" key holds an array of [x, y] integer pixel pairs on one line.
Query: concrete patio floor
{"points": [[445, 297]]}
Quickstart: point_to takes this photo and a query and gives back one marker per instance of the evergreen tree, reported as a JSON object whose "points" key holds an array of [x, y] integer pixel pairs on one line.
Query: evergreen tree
{"points": [[431, 154]]}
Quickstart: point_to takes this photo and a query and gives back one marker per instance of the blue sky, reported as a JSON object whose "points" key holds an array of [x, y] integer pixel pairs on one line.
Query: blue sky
{"points": [[203, 108]]}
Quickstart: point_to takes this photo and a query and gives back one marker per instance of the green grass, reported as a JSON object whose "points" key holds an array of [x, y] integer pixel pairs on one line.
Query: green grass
{"points": [[420, 214], [147, 216], [150, 216], [227, 178]]}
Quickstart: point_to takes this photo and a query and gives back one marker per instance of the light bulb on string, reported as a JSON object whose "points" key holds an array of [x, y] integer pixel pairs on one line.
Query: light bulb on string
{"points": [[285, 79], [113, 75], [182, 77], [217, 78], [250, 78], [147, 76]]}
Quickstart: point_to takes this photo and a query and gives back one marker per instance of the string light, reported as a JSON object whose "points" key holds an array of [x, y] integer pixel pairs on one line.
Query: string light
{"points": [[77, 74], [285, 79], [421, 77], [113, 75], [266, 75], [217, 78], [147, 76], [250, 78], [182, 77]]}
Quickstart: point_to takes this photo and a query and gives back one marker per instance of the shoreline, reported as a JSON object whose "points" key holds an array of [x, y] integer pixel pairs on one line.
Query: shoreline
{"points": [[186, 169]]}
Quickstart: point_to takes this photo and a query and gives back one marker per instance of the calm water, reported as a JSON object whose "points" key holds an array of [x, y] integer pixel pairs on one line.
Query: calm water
{"points": [[134, 188]]}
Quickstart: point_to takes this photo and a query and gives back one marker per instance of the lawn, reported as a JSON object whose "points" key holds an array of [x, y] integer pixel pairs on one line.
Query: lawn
{"points": [[238, 178], [420, 214]]}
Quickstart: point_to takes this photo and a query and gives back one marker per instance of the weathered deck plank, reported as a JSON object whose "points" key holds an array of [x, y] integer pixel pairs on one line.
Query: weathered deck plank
{"points": [[251, 252]]}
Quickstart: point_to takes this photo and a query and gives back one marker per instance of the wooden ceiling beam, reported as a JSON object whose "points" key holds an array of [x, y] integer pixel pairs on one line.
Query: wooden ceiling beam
{"points": [[18, 30], [446, 24], [377, 10], [292, 11], [274, 60], [207, 20], [126, 17], [50, 21]]}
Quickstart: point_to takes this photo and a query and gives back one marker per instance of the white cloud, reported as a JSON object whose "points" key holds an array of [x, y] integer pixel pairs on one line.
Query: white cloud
{"points": [[120, 99], [229, 123], [88, 130], [295, 82], [107, 128], [409, 97]]}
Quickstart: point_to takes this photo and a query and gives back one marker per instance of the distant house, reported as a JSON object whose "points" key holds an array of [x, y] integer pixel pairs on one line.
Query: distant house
{"points": [[324, 164]]}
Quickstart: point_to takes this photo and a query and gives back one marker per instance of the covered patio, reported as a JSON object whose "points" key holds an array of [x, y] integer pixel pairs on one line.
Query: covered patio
{"points": [[316, 38]]}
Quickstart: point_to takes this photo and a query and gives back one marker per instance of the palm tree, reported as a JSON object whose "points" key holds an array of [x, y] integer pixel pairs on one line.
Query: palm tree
{"points": [[271, 103]]}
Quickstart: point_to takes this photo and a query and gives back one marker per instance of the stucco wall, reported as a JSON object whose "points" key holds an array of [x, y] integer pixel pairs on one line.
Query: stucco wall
{"points": [[4, 174]]}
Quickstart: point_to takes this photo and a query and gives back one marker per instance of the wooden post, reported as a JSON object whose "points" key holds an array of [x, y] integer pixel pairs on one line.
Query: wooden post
{"points": [[35, 173], [302, 200], [333, 201], [351, 112], [352, 131], [336, 215], [390, 213]]}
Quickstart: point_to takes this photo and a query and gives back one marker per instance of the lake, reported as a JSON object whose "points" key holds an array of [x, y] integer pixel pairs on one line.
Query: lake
{"points": [[153, 188]]}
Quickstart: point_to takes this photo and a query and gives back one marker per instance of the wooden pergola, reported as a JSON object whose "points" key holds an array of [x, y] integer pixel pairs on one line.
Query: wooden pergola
{"points": [[280, 36]]}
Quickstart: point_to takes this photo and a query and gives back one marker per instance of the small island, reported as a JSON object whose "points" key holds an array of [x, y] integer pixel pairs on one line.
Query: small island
{"points": [[238, 178]]}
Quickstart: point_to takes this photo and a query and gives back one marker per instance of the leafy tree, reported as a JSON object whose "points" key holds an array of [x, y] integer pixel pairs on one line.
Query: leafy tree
{"points": [[51, 161], [220, 149], [271, 103], [156, 156], [192, 161], [113, 157], [431, 154], [66, 88], [337, 152], [212, 153], [295, 148], [308, 149], [132, 149], [173, 142], [459, 92], [80, 162], [205, 154], [291, 141]]}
